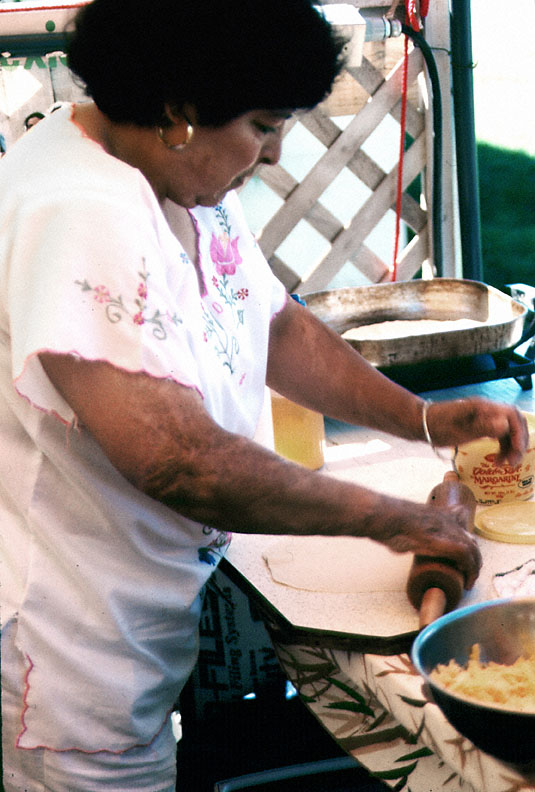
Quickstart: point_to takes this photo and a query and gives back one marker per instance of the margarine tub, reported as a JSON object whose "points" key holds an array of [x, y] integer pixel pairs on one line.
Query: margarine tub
{"points": [[474, 463]]}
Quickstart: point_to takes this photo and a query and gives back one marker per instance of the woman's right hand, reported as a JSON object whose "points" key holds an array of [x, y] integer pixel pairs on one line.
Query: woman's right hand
{"points": [[432, 531]]}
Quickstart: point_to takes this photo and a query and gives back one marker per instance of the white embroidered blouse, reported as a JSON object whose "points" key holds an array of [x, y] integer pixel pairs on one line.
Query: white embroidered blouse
{"points": [[103, 581]]}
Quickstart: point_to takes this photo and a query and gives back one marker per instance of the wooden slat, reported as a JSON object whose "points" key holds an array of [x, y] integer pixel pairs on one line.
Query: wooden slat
{"points": [[285, 274], [324, 222], [278, 180], [332, 162], [370, 265], [365, 220], [360, 164], [412, 213], [413, 256]]}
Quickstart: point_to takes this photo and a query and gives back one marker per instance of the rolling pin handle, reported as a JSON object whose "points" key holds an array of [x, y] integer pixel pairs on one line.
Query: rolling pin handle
{"points": [[435, 585], [432, 606]]}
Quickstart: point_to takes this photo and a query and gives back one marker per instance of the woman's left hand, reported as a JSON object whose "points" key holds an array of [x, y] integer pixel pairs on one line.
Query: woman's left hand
{"points": [[451, 423]]}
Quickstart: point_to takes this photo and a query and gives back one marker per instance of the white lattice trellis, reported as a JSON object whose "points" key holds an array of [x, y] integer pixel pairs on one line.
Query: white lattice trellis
{"points": [[371, 92]]}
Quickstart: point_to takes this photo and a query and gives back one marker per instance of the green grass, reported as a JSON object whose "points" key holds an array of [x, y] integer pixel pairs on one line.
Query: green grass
{"points": [[507, 209]]}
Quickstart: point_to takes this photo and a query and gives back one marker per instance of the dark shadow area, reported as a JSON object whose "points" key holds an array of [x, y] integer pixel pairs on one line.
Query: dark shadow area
{"points": [[249, 736]]}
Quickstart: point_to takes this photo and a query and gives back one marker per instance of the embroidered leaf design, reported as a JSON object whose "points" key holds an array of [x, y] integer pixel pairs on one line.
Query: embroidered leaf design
{"points": [[207, 556], [115, 308], [222, 217]]}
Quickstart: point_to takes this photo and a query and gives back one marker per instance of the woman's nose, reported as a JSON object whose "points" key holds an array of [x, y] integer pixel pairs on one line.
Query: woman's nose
{"points": [[271, 151]]}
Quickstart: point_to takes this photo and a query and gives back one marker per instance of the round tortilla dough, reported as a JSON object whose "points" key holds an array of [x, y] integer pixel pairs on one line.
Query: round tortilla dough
{"points": [[404, 328]]}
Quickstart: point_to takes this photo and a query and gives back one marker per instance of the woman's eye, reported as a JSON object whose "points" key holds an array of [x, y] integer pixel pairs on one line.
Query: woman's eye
{"points": [[264, 128]]}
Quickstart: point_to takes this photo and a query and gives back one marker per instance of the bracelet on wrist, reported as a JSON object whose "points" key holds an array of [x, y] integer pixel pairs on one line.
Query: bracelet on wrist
{"points": [[429, 440], [425, 425]]}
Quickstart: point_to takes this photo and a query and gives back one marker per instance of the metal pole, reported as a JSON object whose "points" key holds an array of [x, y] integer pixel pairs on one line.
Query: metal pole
{"points": [[465, 139]]}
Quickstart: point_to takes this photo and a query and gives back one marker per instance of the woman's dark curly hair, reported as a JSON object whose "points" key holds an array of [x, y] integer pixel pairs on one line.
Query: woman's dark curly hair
{"points": [[225, 57]]}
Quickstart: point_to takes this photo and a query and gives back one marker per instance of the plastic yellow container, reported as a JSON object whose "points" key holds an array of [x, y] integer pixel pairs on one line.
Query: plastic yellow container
{"points": [[491, 484], [513, 523], [299, 434]]}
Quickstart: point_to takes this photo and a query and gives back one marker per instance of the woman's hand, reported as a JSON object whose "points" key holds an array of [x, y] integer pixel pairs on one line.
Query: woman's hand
{"points": [[454, 422], [431, 531]]}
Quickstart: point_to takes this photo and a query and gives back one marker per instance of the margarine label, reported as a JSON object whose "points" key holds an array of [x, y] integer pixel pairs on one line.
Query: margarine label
{"points": [[476, 466]]}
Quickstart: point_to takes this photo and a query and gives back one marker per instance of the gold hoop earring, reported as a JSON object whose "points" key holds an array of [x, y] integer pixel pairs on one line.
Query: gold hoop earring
{"points": [[176, 146]]}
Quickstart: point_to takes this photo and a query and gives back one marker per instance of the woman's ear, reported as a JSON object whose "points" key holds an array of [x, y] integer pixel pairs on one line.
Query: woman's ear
{"points": [[187, 114], [172, 115], [176, 131]]}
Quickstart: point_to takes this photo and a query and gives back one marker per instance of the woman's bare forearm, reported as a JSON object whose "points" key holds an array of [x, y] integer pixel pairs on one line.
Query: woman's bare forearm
{"points": [[159, 436], [312, 365]]}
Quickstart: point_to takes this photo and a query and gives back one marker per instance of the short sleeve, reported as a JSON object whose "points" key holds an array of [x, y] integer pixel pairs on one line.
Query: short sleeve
{"points": [[87, 275]]}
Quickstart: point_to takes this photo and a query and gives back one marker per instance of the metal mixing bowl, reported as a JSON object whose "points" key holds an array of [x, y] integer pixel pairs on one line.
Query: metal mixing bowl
{"points": [[504, 630]]}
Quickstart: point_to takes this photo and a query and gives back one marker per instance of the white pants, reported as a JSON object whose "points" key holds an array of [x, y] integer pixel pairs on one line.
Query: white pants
{"points": [[150, 768]]}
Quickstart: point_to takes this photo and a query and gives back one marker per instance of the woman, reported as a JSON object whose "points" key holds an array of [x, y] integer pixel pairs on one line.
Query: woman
{"points": [[140, 324]]}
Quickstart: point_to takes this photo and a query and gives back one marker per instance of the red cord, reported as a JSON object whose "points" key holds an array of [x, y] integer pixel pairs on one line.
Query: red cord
{"points": [[411, 11], [414, 21]]}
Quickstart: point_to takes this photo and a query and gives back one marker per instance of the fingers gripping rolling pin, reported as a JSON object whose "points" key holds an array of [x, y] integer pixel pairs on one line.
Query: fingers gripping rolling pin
{"points": [[435, 585]]}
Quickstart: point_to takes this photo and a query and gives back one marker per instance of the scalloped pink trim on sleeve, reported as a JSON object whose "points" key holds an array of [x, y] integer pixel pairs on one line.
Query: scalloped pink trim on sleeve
{"points": [[25, 700], [54, 413]]}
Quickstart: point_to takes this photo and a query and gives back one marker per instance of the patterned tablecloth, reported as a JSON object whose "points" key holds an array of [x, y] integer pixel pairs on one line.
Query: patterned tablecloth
{"points": [[378, 710]]}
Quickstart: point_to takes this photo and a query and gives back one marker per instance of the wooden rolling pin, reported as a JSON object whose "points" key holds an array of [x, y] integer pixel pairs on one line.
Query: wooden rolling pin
{"points": [[435, 586]]}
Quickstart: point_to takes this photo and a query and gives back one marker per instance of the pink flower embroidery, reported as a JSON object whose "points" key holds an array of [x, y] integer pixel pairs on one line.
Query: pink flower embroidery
{"points": [[224, 253], [102, 294], [242, 293], [142, 291], [138, 318]]}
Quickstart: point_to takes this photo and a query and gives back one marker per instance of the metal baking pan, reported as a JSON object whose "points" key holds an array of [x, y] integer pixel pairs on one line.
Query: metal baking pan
{"points": [[502, 318]]}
